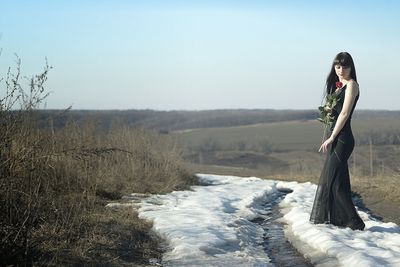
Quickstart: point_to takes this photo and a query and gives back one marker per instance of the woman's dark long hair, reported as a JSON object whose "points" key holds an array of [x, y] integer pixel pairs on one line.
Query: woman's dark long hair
{"points": [[343, 59]]}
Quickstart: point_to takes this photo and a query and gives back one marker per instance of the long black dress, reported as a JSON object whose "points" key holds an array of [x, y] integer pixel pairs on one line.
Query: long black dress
{"points": [[333, 203]]}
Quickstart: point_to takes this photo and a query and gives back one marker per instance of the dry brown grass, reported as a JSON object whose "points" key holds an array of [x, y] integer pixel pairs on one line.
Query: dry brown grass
{"points": [[52, 181], [111, 237]]}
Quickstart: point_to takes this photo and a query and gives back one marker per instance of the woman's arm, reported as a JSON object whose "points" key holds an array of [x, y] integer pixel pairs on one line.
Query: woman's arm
{"points": [[350, 96]]}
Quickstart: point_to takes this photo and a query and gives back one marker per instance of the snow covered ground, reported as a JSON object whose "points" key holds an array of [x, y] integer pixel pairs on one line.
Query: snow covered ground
{"points": [[210, 226]]}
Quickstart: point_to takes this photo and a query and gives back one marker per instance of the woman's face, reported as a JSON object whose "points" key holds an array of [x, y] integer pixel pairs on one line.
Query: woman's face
{"points": [[342, 71]]}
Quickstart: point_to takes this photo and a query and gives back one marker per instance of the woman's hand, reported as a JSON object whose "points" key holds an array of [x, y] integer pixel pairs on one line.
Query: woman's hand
{"points": [[324, 146]]}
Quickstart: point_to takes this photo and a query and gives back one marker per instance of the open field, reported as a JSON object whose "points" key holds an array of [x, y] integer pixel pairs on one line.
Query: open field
{"points": [[287, 147], [289, 151], [94, 164], [288, 135]]}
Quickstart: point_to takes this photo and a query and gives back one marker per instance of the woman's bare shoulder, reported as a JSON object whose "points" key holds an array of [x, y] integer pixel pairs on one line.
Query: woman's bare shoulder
{"points": [[352, 85]]}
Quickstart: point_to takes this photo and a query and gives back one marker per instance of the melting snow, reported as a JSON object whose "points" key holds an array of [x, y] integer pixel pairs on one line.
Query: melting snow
{"points": [[210, 225]]}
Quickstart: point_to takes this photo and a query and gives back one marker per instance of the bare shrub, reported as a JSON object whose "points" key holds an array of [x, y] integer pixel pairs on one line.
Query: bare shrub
{"points": [[49, 178]]}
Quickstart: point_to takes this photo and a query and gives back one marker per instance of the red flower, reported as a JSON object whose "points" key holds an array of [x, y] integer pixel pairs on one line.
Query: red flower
{"points": [[339, 85]]}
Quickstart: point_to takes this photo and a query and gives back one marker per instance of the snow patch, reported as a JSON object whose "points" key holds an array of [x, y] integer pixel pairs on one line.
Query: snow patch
{"points": [[211, 225], [377, 245]]}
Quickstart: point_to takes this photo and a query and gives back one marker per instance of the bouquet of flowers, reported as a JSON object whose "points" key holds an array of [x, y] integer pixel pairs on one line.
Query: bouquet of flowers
{"points": [[325, 111]]}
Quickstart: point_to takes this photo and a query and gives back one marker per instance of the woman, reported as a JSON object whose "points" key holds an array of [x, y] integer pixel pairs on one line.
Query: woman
{"points": [[333, 203]]}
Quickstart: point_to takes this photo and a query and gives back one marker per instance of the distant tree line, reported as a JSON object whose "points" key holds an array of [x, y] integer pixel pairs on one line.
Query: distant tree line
{"points": [[166, 121]]}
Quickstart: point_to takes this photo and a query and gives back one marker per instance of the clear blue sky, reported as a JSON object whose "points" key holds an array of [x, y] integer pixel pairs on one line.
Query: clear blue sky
{"points": [[197, 55]]}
